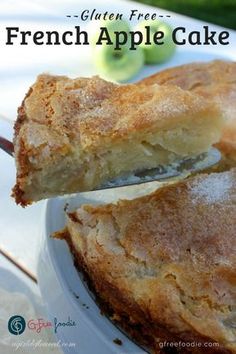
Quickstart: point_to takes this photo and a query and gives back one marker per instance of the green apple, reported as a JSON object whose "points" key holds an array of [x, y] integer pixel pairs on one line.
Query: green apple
{"points": [[111, 25], [155, 53], [118, 65]]}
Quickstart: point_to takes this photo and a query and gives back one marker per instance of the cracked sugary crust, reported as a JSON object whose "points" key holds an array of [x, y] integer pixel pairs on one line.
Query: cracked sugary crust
{"points": [[215, 80], [59, 114], [92, 109], [164, 264]]}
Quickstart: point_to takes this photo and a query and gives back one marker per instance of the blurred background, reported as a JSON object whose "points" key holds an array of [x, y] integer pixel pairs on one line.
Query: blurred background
{"points": [[19, 65], [219, 12]]}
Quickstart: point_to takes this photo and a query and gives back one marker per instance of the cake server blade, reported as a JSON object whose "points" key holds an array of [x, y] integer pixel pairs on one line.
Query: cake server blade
{"points": [[162, 173]]}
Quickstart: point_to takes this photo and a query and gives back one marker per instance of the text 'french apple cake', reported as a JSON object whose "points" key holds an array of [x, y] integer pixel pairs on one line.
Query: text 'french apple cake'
{"points": [[164, 265], [72, 135]]}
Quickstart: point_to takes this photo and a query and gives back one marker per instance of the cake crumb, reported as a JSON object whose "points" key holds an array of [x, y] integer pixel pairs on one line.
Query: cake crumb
{"points": [[117, 341], [75, 295]]}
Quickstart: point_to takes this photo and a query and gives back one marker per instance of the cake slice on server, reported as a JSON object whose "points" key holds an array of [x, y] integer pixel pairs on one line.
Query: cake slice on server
{"points": [[73, 135], [164, 265]]}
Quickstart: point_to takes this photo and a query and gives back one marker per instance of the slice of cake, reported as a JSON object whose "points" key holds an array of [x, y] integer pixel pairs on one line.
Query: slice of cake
{"points": [[164, 265], [215, 80], [73, 135]]}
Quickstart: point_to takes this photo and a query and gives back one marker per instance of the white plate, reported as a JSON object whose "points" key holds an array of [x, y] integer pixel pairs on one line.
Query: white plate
{"points": [[63, 288], [61, 284], [59, 281]]}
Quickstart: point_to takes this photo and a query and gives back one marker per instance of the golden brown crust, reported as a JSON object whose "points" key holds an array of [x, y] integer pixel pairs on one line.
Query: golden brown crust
{"points": [[215, 80], [91, 109], [170, 258], [61, 116], [135, 322], [196, 75]]}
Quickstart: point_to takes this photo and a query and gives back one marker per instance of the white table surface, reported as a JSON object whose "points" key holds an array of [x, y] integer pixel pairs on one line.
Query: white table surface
{"points": [[20, 227]]}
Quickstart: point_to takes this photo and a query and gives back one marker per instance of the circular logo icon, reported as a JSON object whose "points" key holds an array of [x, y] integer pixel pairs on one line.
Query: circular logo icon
{"points": [[16, 325]]}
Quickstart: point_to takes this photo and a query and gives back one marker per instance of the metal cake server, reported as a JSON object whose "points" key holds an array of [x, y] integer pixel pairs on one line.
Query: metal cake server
{"points": [[7, 146]]}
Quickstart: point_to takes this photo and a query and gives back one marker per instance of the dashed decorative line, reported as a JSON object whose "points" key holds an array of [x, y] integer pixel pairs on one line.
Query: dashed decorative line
{"points": [[76, 16]]}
